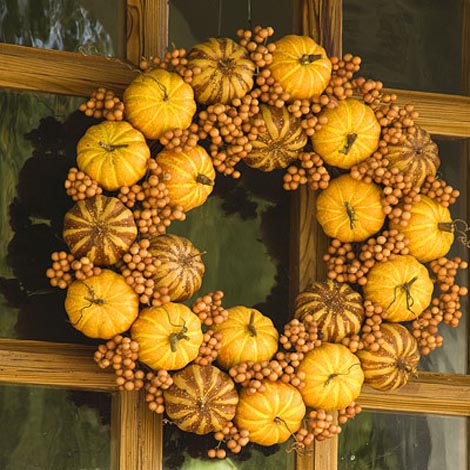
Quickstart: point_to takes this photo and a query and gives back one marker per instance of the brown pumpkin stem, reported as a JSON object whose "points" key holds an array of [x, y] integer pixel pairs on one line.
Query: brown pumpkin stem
{"points": [[350, 139], [162, 87], [332, 376], [203, 179], [409, 298], [463, 233], [250, 326], [92, 299], [111, 147], [351, 215], [175, 337], [306, 59], [404, 366]]}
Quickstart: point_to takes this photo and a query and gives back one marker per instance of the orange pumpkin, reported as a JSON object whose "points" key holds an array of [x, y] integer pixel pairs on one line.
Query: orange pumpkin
{"points": [[430, 230], [158, 101], [192, 176], [350, 210], [169, 336], [202, 399], [114, 154], [225, 71], [394, 362], [247, 335], [401, 286], [101, 306], [271, 416], [280, 144], [333, 377], [300, 66], [350, 136]]}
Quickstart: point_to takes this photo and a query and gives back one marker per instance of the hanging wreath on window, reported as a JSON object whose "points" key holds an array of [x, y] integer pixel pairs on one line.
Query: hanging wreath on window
{"points": [[154, 155]]}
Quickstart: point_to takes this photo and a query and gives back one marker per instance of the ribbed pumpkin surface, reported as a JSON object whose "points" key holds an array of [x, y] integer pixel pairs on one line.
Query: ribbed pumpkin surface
{"points": [[101, 228], [401, 286], [301, 66], [430, 230], [169, 336], [280, 144], [350, 136], [201, 399], [350, 210], [192, 176], [417, 156], [334, 377], [158, 101], [390, 367], [271, 416], [335, 307], [181, 268], [101, 306], [114, 154], [247, 335], [226, 70]]}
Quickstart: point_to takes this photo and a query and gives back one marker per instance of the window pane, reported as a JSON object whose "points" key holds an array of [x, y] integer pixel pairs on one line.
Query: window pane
{"points": [[53, 429], [399, 441], [411, 44], [88, 26]]}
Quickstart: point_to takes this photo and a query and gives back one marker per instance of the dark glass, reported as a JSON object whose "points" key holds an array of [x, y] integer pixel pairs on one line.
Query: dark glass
{"points": [[47, 429]]}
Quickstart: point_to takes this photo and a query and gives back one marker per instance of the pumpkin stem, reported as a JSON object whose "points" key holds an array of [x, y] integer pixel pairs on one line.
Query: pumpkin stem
{"points": [[175, 337], [409, 298], [463, 233], [403, 365], [161, 86], [203, 179], [306, 59], [351, 215], [111, 147], [251, 327], [350, 139], [332, 376]]}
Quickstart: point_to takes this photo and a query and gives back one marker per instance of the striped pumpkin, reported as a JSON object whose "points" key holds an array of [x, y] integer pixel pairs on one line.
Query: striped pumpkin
{"points": [[401, 286], [169, 336], [201, 399], [350, 210], [430, 230], [247, 335], [191, 176], [300, 66], [181, 268], [416, 156], [350, 136], [280, 144], [158, 101], [225, 71], [336, 308], [101, 306], [333, 377], [101, 228], [114, 154], [271, 416], [396, 360]]}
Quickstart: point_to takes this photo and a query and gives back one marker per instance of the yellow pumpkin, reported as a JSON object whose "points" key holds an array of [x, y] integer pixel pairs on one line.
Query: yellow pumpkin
{"points": [[430, 230], [401, 286], [192, 176], [247, 335], [169, 336], [101, 306], [226, 71], [158, 101], [350, 136], [333, 377], [350, 210], [114, 154], [300, 66], [202, 399], [280, 144], [271, 416], [394, 362]]}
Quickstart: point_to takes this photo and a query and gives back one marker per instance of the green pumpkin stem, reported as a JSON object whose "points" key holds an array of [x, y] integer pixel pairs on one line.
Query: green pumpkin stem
{"points": [[332, 376], [111, 147], [306, 59], [350, 139], [446, 226], [351, 215], [203, 179], [175, 337], [250, 326]]}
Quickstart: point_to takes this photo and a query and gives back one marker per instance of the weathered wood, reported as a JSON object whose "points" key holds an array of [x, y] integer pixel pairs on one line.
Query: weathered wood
{"points": [[59, 365]]}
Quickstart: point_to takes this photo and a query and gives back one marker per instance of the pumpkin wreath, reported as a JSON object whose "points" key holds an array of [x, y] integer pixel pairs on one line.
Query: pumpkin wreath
{"points": [[154, 155]]}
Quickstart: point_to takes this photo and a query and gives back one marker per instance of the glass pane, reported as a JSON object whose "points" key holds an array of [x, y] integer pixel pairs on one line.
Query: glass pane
{"points": [[410, 44], [46, 429], [398, 441], [37, 146], [88, 26]]}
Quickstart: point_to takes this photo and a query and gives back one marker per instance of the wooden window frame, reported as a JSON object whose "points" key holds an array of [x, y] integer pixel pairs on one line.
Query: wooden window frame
{"points": [[136, 434]]}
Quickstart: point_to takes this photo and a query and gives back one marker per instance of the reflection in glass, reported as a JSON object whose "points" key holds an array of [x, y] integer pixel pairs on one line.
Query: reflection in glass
{"points": [[46, 429], [396, 441]]}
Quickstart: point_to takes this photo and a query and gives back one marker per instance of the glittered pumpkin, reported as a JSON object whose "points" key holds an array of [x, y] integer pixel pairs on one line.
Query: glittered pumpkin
{"points": [[350, 136], [114, 154]]}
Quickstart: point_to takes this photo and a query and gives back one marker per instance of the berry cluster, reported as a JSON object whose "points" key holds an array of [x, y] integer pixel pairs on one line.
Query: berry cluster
{"points": [[65, 269], [103, 103], [155, 384], [233, 438], [312, 171], [79, 185]]}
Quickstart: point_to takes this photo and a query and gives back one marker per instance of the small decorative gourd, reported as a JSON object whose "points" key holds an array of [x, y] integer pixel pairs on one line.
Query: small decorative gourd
{"points": [[202, 399], [169, 336], [101, 306]]}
